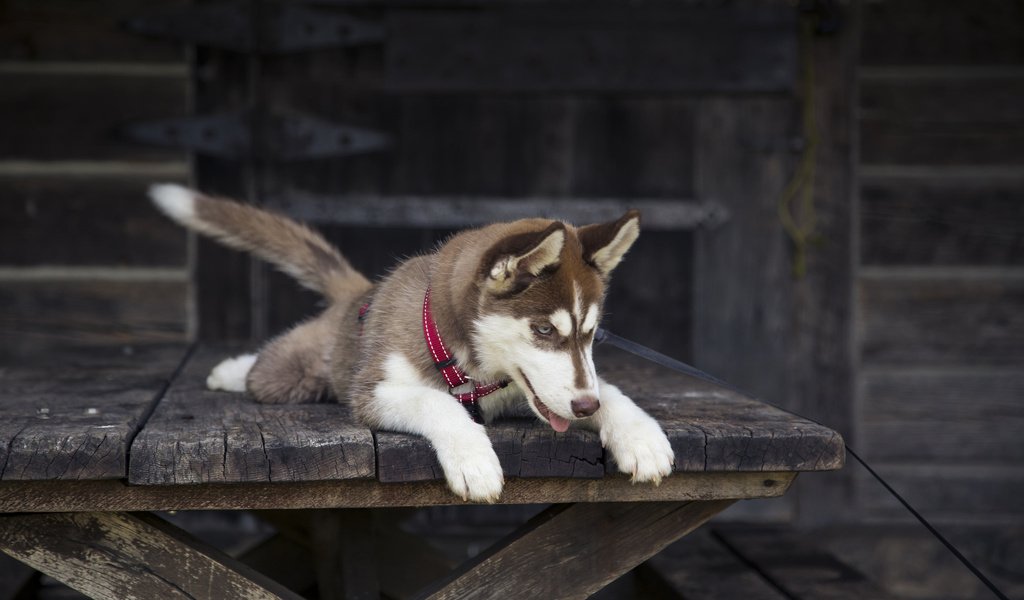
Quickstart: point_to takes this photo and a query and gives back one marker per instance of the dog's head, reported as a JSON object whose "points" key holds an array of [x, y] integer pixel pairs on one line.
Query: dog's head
{"points": [[541, 295]]}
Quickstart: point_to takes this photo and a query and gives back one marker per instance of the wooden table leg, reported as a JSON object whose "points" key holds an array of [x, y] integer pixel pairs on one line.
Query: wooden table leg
{"points": [[574, 550], [129, 555]]}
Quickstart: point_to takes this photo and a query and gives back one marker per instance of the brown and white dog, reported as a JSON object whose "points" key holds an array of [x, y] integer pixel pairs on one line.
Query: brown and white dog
{"points": [[498, 320]]}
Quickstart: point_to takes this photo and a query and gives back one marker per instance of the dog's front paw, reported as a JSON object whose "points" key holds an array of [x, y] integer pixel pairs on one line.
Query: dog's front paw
{"points": [[640, 449], [473, 471]]}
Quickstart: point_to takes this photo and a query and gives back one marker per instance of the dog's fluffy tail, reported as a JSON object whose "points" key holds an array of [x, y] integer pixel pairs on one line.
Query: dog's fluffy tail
{"points": [[290, 246]]}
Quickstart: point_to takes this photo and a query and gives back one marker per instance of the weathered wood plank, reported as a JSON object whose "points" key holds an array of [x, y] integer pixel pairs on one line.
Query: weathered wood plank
{"points": [[975, 320], [956, 494], [74, 116], [70, 31], [121, 556], [949, 394], [943, 415], [699, 566], [526, 448], [74, 418], [948, 122], [42, 496], [798, 567], [223, 278], [821, 350], [714, 429], [693, 48], [201, 436], [743, 273], [905, 32], [595, 544], [710, 428], [100, 222], [39, 314], [929, 222]]}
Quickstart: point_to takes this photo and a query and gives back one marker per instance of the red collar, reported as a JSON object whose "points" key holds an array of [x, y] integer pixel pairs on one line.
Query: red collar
{"points": [[453, 375]]}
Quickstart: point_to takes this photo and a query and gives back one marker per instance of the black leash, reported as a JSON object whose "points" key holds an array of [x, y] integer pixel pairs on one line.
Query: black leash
{"points": [[605, 336]]}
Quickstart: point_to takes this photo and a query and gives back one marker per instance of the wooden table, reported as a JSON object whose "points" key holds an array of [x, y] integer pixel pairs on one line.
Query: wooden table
{"points": [[92, 440]]}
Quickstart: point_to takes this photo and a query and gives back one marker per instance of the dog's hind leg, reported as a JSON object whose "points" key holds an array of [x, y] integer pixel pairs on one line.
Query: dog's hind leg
{"points": [[293, 367]]}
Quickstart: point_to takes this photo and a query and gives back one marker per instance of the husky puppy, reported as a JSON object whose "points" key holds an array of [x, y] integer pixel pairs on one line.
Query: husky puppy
{"points": [[498, 320]]}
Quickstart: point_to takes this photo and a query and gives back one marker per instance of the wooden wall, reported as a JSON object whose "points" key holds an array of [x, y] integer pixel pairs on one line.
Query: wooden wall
{"points": [[940, 237], [83, 256]]}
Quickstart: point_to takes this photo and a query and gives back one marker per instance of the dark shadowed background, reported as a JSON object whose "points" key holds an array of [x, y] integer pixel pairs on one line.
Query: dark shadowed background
{"points": [[833, 193]]}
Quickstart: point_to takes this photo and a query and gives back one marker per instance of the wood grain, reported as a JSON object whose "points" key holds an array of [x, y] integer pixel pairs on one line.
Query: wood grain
{"points": [[75, 116], [201, 436], [595, 544], [69, 31], [951, 415], [518, 49], [35, 316], [223, 278], [43, 496], [98, 221], [983, 32], [928, 222], [526, 448], [942, 320], [75, 418], [821, 350], [714, 429], [742, 272], [973, 121], [122, 556]]}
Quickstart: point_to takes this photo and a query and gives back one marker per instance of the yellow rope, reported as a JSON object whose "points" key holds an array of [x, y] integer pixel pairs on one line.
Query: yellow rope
{"points": [[801, 227]]}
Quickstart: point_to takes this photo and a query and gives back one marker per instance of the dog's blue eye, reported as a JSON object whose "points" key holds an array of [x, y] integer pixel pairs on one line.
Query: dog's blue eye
{"points": [[542, 329]]}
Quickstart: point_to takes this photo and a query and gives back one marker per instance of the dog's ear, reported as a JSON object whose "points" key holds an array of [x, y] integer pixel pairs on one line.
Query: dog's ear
{"points": [[514, 262], [604, 244]]}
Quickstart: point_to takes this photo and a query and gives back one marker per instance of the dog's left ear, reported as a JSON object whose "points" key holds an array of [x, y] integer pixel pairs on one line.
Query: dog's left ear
{"points": [[515, 262], [604, 244]]}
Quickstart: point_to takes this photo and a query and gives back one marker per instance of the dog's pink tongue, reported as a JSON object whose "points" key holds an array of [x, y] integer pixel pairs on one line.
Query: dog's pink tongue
{"points": [[558, 423]]}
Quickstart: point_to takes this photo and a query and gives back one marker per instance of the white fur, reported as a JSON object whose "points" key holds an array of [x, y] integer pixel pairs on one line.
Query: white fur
{"points": [[230, 374], [608, 258], [504, 344], [633, 437], [561, 320], [577, 301], [590, 321], [404, 402], [175, 201]]}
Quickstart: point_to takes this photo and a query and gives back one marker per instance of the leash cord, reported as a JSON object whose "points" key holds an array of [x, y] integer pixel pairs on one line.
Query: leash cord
{"points": [[605, 336]]}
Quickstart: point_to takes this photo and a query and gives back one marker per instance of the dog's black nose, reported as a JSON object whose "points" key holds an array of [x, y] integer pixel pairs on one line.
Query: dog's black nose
{"points": [[585, 406]]}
